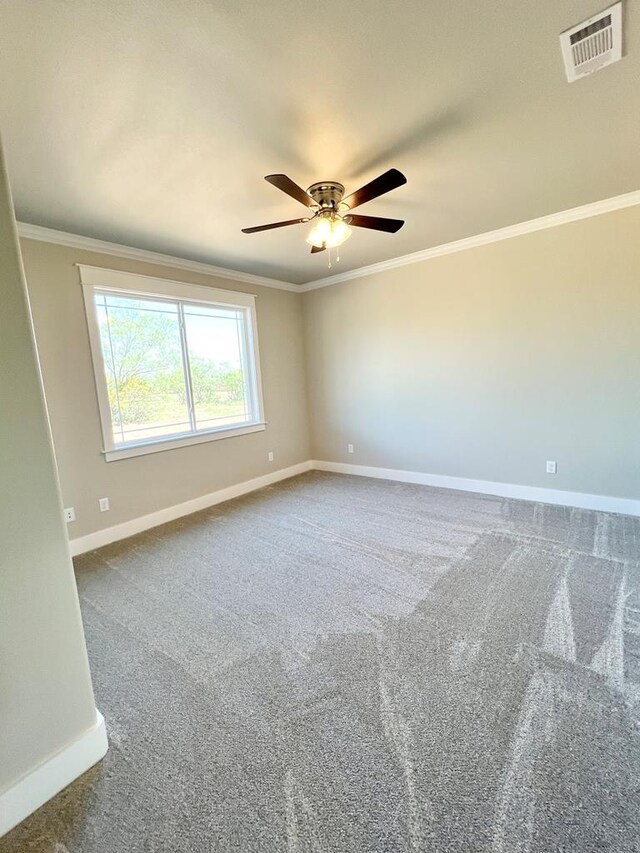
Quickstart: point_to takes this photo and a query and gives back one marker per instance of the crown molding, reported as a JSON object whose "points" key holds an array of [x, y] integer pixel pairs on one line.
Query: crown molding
{"points": [[91, 244], [585, 211]]}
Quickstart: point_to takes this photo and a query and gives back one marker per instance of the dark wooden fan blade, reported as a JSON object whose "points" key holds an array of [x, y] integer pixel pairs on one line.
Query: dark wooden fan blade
{"points": [[315, 249], [376, 223], [273, 225], [379, 186], [282, 182]]}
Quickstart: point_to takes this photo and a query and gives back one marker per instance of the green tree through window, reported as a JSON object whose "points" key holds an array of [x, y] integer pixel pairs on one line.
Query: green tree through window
{"points": [[161, 356]]}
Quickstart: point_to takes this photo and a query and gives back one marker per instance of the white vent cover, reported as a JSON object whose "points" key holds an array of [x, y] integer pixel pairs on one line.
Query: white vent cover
{"points": [[592, 44]]}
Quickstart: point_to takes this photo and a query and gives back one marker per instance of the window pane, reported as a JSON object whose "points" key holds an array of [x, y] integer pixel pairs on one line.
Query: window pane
{"points": [[141, 347], [215, 343]]}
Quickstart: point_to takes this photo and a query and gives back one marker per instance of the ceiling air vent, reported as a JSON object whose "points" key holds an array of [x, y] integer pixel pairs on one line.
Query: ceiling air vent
{"points": [[592, 44]]}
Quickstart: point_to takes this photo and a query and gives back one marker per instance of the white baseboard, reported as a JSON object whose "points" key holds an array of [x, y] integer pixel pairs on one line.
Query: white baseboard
{"points": [[145, 522], [52, 776], [603, 503]]}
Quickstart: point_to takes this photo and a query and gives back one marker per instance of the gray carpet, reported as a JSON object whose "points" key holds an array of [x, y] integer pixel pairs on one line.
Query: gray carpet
{"points": [[344, 664]]}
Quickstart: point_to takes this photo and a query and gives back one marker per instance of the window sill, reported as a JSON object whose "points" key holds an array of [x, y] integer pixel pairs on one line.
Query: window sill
{"points": [[128, 450]]}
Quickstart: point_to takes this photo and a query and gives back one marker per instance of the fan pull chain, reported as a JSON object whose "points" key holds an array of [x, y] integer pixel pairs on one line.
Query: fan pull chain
{"points": [[329, 256]]}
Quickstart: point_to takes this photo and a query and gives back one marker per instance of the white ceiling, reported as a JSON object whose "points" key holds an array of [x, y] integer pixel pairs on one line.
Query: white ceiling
{"points": [[152, 123]]}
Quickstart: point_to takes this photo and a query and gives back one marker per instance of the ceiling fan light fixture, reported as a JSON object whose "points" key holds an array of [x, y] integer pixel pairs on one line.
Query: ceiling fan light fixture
{"points": [[329, 230], [330, 213], [340, 233]]}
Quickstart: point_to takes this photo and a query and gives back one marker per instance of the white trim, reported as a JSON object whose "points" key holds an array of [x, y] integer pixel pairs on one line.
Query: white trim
{"points": [[33, 790], [157, 445], [603, 503], [91, 244], [585, 211], [153, 519], [582, 500], [131, 282], [96, 280]]}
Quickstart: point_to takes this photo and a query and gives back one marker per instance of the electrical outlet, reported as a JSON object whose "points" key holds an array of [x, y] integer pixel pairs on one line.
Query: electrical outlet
{"points": [[349, 448], [552, 467], [69, 514], [104, 504], [270, 456]]}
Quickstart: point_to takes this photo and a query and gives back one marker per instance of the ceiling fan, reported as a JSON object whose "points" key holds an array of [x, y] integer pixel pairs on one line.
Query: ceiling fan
{"points": [[332, 218]]}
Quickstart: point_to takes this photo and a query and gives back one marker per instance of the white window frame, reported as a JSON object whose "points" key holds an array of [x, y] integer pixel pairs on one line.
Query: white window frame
{"points": [[98, 280]]}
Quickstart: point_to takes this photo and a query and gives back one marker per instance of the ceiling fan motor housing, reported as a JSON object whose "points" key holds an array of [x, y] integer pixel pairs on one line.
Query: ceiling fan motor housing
{"points": [[327, 194]]}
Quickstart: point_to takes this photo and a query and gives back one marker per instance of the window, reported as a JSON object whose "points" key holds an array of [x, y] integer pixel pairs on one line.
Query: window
{"points": [[174, 363]]}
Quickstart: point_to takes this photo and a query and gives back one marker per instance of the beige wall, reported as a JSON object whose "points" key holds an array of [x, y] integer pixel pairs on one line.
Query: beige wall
{"points": [[46, 700], [486, 363], [481, 364], [144, 484]]}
